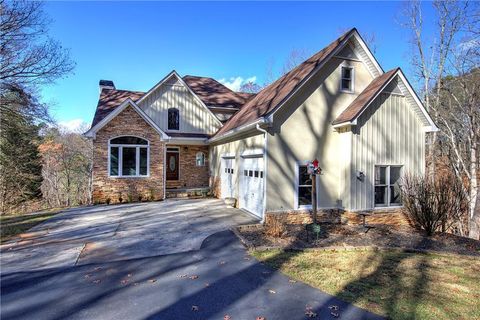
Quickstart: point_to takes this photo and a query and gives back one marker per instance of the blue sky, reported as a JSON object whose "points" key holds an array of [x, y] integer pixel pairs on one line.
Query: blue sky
{"points": [[135, 44]]}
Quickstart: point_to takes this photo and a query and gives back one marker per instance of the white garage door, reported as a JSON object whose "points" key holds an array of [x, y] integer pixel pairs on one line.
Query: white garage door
{"points": [[228, 170], [251, 190]]}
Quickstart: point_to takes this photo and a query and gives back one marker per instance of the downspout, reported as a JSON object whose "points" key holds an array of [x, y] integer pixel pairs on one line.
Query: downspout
{"points": [[265, 157]]}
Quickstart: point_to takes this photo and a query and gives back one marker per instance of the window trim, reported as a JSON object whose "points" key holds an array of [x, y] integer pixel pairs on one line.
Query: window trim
{"points": [[120, 157], [196, 159], [387, 185], [296, 205], [352, 80], [168, 118]]}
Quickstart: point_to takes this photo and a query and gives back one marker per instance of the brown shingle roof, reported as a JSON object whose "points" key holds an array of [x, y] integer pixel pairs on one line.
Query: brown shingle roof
{"points": [[266, 100], [213, 93], [111, 99], [365, 97]]}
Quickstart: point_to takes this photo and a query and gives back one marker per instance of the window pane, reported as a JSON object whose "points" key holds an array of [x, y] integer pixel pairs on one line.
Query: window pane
{"points": [[173, 119], [395, 195], [346, 73], [114, 161], [143, 161], [304, 196], [129, 161], [395, 175], [200, 159], [128, 140], [303, 176], [346, 84], [380, 195], [380, 175]]}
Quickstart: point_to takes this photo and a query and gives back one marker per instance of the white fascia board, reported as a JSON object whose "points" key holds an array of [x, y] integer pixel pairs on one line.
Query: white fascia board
{"points": [[187, 141], [128, 102], [238, 130], [432, 126], [345, 124], [367, 50], [174, 73], [155, 87]]}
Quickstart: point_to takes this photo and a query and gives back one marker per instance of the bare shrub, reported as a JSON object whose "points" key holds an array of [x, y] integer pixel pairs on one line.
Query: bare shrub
{"points": [[434, 203], [275, 226]]}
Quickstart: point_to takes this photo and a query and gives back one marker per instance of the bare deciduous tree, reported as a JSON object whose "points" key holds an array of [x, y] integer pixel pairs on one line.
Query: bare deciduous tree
{"points": [[446, 67], [27, 54]]}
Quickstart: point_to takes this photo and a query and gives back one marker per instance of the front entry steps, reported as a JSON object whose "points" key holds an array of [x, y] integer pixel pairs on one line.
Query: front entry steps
{"points": [[188, 193]]}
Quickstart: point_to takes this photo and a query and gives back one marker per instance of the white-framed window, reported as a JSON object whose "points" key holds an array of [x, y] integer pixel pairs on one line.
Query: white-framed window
{"points": [[303, 192], [128, 156], [387, 186], [347, 79], [173, 119], [200, 159]]}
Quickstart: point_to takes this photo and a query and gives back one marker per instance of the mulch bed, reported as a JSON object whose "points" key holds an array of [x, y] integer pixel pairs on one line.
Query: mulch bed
{"points": [[337, 235]]}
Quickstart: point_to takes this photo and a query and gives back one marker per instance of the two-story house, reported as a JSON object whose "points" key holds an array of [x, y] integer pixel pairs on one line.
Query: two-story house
{"points": [[365, 126]]}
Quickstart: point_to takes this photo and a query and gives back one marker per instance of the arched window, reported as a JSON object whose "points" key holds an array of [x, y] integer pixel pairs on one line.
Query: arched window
{"points": [[200, 159], [173, 119], [128, 157]]}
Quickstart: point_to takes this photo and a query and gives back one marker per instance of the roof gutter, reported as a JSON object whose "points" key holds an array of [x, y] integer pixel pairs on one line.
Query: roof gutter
{"points": [[238, 130]]}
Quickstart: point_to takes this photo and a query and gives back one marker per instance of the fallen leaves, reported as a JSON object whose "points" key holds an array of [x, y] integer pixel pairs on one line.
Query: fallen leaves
{"points": [[292, 281], [309, 312], [194, 308], [192, 277], [272, 291], [152, 280], [96, 281], [334, 308]]}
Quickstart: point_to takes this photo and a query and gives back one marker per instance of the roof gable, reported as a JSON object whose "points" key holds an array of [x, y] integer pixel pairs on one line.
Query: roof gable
{"points": [[276, 94], [384, 82], [168, 78], [128, 102], [110, 99]]}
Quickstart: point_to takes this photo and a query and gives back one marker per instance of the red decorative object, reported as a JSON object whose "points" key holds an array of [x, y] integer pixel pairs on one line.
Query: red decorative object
{"points": [[315, 163]]}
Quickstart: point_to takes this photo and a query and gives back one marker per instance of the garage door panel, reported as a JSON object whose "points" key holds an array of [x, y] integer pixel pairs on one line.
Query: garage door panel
{"points": [[252, 182]]}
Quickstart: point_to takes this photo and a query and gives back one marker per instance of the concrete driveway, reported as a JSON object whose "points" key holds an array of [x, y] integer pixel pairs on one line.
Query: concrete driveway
{"points": [[110, 233]]}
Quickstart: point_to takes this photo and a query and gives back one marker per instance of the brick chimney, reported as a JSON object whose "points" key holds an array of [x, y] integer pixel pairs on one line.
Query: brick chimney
{"points": [[106, 84]]}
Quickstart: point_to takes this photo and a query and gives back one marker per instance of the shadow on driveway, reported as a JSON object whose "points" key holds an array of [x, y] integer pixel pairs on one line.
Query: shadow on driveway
{"points": [[217, 280]]}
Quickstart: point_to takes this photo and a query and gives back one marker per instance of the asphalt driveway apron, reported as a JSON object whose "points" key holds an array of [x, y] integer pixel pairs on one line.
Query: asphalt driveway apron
{"points": [[218, 280]]}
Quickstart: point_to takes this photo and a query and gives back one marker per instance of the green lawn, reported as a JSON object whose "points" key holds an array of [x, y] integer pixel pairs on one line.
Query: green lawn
{"points": [[394, 284], [12, 225]]}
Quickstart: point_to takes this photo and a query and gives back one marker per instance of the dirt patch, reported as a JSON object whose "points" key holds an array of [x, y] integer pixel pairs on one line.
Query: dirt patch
{"points": [[336, 235]]}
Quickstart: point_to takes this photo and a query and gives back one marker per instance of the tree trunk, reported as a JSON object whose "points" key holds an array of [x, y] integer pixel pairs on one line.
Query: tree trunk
{"points": [[474, 214]]}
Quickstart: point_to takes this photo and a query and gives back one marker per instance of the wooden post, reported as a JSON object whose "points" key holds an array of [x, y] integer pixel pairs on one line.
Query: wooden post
{"points": [[314, 198]]}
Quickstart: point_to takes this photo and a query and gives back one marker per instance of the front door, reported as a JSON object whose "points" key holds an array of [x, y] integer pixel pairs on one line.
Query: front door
{"points": [[172, 165]]}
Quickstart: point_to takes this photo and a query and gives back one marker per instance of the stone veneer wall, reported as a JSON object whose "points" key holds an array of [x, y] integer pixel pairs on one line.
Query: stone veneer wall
{"points": [[191, 175], [128, 122], [303, 216], [391, 217]]}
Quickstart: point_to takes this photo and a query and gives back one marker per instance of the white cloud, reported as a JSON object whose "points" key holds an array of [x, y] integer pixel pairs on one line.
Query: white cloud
{"points": [[74, 125], [234, 83]]}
